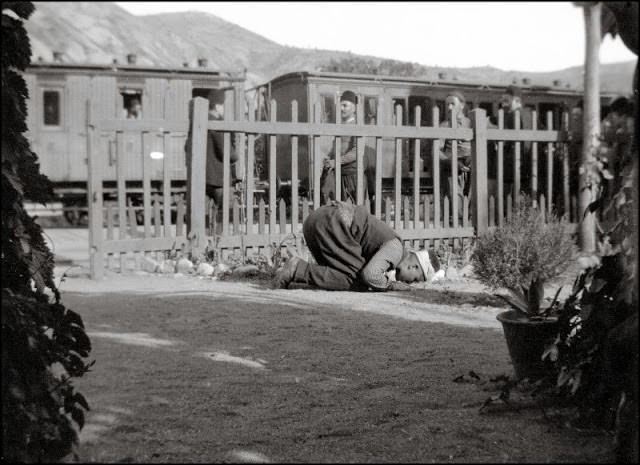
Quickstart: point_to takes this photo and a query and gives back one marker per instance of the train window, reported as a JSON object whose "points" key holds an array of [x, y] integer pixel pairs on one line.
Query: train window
{"points": [[327, 101], [131, 103], [204, 93], [370, 110], [52, 107], [403, 103]]}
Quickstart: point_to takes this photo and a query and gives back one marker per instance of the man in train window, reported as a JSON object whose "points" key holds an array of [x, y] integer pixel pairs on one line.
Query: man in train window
{"points": [[454, 104], [134, 110], [354, 250], [348, 170]]}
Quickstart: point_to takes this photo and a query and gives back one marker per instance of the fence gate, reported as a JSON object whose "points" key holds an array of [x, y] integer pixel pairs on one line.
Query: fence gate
{"points": [[257, 213]]}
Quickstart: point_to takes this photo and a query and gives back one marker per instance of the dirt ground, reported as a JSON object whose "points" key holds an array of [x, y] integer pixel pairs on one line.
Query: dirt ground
{"points": [[194, 370], [189, 370]]}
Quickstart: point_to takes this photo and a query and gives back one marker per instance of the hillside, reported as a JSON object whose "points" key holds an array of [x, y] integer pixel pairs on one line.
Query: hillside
{"points": [[99, 32]]}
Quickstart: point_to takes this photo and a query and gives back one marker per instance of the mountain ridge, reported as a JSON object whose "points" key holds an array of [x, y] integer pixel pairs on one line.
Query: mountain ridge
{"points": [[99, 32]]}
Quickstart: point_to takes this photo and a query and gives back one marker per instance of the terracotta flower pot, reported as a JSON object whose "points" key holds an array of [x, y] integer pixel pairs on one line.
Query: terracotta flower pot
{"points": [[526, 341]]}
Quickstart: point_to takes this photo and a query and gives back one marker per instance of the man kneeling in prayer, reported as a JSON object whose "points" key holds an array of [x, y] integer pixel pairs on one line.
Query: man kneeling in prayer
{"points": [[354, 250]]}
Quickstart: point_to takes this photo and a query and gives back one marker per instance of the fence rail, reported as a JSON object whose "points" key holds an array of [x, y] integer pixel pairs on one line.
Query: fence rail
{"points": [[255, 213]]}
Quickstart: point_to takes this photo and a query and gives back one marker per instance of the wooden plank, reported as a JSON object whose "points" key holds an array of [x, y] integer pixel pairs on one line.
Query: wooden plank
{"points": [[439, 233], [427, 207], [453, 182], [181, 210], [550, 163], [543, 207], [261, 216], [166, 185], [146, 182], [516, 161], [317, 157], [133, 222], [157, 216], [378, 167], [378, 178], [398, 172], [318, 129], [94, 199], [436, 170], [196, 175], [387, 209], [272, 172], [492, 213], [407, 213], [407, 132], [294, 171], [122, 195], [500, 164], [110, 236], [236, 216], [360, 144], [250, 174], [509, 206], [446, 220], [534, 158], [465, 211], [479, 170], [416, 171], [282, 209], [338, 155], [565, 170]]}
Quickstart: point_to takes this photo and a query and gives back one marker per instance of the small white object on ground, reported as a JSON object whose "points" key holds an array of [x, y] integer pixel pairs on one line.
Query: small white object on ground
{"points": [[438, 276], [184, 265], [204, 269]]}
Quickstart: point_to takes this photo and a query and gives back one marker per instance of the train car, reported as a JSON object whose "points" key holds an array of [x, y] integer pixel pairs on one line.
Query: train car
{"points": [[60, 95], [378, 97]]}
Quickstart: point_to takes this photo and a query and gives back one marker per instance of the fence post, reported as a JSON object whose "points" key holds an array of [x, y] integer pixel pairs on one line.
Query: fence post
{"points": [[196, 176], [94, 200], [479, 170]]}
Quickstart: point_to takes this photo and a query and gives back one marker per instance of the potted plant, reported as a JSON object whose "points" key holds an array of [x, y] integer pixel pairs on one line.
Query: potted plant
{"points": [[520, 257]]}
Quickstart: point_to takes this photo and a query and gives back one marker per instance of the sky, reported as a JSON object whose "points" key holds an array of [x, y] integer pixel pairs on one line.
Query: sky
{"points": [[523, 36]]}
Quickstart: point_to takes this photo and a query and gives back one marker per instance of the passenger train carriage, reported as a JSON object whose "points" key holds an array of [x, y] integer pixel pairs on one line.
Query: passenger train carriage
{"points": [[61, 95]]}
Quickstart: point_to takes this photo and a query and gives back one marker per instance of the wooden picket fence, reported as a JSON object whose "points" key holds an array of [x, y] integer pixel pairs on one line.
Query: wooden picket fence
{"points": [[248, 222]]}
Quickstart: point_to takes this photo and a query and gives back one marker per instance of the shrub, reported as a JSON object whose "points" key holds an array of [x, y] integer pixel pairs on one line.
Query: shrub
{"points": [[43, 343], [523, 254]]}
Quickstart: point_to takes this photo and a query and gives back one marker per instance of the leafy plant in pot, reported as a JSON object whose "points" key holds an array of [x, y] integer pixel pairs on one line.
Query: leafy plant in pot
{"points": [[520, 256]]}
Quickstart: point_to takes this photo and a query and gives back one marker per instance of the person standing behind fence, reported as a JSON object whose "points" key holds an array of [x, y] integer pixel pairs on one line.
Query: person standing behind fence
{"points": [[215, 146], [511, 102], [348, 163], [454, 105]]}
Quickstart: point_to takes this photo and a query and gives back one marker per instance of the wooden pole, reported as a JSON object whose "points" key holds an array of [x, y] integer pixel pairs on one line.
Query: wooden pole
{"points": [[588, 185]]}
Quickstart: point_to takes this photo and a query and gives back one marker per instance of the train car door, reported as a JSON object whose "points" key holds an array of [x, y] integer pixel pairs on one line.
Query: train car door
{"points": [[78, 88]]}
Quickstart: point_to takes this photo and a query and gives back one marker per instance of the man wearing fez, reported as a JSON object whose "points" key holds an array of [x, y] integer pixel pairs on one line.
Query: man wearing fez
{"points": [[215, 149], [454, 104], [354, 250], [510, 102], [348, 170]]}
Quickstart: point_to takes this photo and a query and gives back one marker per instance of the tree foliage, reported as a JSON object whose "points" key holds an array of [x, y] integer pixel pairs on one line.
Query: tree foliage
{"points": [[44, 344], [357, 65]]}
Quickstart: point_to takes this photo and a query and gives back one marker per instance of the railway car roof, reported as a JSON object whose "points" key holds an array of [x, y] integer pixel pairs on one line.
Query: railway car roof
{"points": [[116, 69], [387, 79]]}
